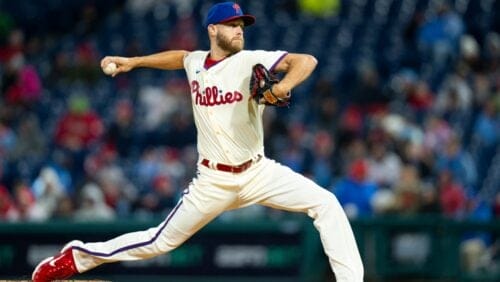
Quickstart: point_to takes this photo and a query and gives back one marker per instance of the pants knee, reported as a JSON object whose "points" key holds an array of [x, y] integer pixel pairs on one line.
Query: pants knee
{"points": [[327, 205]]}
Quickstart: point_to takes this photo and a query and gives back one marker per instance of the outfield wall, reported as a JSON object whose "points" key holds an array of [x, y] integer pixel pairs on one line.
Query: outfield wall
{"points": [[393, 249]]}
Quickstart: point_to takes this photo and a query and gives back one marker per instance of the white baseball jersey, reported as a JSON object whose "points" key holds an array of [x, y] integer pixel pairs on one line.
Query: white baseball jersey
{"points": [[229, 122]]}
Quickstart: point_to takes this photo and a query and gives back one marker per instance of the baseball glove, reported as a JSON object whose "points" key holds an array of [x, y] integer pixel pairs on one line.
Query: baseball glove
{"points": [[261, 84]]}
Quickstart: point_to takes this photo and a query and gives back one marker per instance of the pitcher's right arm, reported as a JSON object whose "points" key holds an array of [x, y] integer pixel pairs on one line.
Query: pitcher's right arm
{"points": [[167, 60]]}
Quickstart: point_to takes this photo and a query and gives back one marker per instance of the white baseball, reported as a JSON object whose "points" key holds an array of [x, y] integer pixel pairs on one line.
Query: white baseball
{"points": [[109, 69]]}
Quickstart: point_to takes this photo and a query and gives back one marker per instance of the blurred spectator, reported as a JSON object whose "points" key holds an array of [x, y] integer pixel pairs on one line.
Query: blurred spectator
{"points": [[408, 191], [355, 191], [487, 126], [103, 167], [31, 142], [479, 209], [14, 46], [437, 134], [59, 70], [482, 87], [103, 157], [403, 83], [61, 163], [320, 8], [147, 166], [8, 209], [161, 172], [24, 200], [384, 201], [440, 33], [485, 137], [8, 140], [454, 100], [188, 159], [24, 86], [184, 36], [92, 205], [80, 127], [181, 130], [121, 133], [368, 92], [351, 125], [47, 183], [351, 152], [422, 159], [296, 153], [171, 164], [492, 51], [383, 164], [326, 105], [119, 192], [77, 131], [452, 196], [459, 163], [430, 203], [470, 52], [420, 98], [156, 107], [401, 130], [322, 169], [86, 58], [48, 191], [65, 209], [159, 198]]}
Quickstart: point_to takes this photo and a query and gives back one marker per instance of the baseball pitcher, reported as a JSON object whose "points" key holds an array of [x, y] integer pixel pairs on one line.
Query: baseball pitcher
{"points": [[230, 88]]}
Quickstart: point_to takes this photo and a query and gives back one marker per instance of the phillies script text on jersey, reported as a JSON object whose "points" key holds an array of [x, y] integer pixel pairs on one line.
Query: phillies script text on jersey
{"points": [[211, 96]]}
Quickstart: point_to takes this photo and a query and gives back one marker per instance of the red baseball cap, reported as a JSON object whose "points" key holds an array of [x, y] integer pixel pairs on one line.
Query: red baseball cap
{"points": [[225, 12]]}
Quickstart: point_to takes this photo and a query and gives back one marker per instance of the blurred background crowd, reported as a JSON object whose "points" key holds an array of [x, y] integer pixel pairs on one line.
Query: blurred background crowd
{"points": [[400, 117]]}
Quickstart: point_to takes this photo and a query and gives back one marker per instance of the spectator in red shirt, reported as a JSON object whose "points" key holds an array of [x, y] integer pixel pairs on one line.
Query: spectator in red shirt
{"points": [[8, 210], [451, 195], [26, 86], [14, 46], [80, 127], [76, 132]]}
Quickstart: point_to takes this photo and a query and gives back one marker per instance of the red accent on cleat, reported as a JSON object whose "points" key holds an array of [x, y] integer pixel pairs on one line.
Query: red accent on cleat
{"points": [[58, 267]]}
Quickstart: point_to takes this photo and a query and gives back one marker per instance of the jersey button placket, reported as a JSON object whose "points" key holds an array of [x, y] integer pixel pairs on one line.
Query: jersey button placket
{"points": [[215, 126]]}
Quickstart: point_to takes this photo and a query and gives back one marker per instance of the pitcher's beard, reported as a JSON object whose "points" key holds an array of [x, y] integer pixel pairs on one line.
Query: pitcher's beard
{"points": [[229, 45]]}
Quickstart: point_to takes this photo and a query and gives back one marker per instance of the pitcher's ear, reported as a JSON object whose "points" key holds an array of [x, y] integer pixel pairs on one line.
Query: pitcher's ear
{"points": [[212, 29]]}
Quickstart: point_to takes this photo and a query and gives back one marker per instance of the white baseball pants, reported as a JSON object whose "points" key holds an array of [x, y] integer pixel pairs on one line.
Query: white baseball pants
{"points": [[212, 192]]}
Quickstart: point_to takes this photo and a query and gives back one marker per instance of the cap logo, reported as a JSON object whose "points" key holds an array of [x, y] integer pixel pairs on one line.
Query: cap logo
{"points": [[237, 8]]}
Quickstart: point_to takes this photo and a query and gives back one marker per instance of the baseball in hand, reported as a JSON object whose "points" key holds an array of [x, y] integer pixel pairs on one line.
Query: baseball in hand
{"points": [[110, 68]]}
